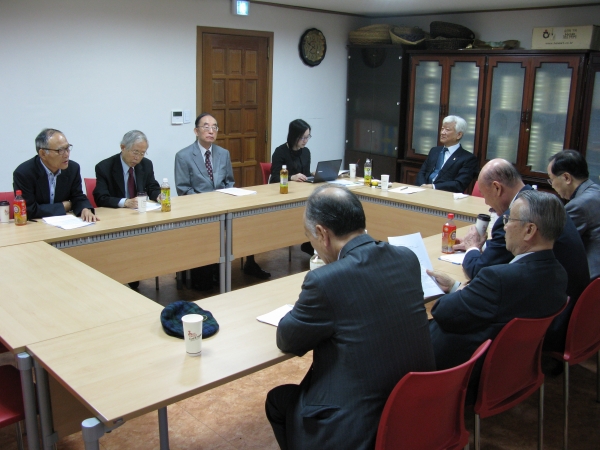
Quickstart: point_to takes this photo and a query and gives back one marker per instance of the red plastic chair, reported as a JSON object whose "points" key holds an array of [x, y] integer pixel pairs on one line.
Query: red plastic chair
{"points": [[583, 340], [476, 192], [90, 185], [421, 399], [10, 198], [266, 171], [512, 371], [11, 399]]}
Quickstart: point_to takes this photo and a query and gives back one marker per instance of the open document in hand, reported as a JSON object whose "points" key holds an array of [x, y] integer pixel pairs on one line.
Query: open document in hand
{"points": [[416, 244]]}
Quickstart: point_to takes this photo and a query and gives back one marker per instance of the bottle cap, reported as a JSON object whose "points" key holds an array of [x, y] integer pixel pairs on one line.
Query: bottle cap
{"points": [[450, 216], [165, 180], [19, 192], [284, 167]]}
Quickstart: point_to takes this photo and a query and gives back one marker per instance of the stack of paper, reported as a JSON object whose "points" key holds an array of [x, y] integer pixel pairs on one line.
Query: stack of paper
{"points": [[236, 191], [275, 316], [151, 206], [66, 222], [416, 244]]}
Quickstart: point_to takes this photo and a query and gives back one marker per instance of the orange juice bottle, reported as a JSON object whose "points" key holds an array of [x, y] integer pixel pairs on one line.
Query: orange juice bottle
{"points": [[20, 209], [283, 180], [448, 235]]}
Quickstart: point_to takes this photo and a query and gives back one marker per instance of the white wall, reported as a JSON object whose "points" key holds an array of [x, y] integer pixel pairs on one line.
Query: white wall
{"points": [[501, 26], [96, 70]]}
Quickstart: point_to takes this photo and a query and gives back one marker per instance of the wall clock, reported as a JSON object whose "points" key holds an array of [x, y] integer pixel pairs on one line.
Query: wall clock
{"points": [[312, 47]]}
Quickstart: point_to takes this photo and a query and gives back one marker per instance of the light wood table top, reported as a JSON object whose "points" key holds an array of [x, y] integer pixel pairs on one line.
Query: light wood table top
{"points": [[46, 294], [133, 367]]}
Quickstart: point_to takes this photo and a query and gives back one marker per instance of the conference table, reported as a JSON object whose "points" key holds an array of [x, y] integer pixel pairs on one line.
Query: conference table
{"points": [[201, 229], [132, 367]]}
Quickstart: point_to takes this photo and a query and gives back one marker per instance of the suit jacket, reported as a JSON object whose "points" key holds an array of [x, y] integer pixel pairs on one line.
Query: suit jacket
{"points": [[31, 178], [283, 155], [532, 287], [191, 176], [456, 174], [110, 183], [364, 317], [584, 210], [570, 253]]}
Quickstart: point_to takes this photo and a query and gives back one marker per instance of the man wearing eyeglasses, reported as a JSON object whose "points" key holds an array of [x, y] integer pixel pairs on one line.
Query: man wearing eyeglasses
{"points": [[120, 177], [205, 167], [501, 185], [51, 182], [531, 285]]}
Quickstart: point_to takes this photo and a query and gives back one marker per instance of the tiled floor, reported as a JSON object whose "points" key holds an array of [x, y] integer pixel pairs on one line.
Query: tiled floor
{"points": [[232, 416]]}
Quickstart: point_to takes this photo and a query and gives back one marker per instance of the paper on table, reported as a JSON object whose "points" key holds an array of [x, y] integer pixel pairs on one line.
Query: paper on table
{"points": [[151, 206], [458, 196], [66, 222], [275, 316], [406, 190], [346, 183], [236, 191], [454, 258], [415, 243]]}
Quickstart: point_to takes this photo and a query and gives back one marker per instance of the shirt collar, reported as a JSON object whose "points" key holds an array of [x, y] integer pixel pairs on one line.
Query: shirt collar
{"points": [[124, 165], [203, 150], [518, 257], [452, 149], [48, 171]]}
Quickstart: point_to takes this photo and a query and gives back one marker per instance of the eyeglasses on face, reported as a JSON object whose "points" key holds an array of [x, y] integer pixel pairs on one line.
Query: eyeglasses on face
{"points": [[60, 151], [208, 128], [550, 181], [305, 139], [137, 153], [506, 218]]}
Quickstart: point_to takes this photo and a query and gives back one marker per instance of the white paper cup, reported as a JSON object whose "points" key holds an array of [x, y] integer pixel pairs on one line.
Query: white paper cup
{"points": [[192, 333], [385, 182], [5, 213], [141, 198], [352, 170], [483, 220]]}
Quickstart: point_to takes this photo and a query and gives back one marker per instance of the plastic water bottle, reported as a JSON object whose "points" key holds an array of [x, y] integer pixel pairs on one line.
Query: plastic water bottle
{"points": [[20, 209], [448, 235], [283, 180], [368, 172], [165, 195]]}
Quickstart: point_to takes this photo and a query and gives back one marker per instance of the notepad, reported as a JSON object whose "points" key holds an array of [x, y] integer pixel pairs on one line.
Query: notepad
{"points": [[273, 317]]}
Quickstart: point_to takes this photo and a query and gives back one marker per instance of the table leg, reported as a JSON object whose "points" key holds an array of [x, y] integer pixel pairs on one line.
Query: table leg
{"points": [[223, 255], [228, 255], [25, 364], [49, 437], [92, 430], [163, 428]]}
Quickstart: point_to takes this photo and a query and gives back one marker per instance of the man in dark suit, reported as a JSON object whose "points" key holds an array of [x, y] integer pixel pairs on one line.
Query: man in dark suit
{"points": [[50, 182], [205, 167], [501, 184], [115, 187], [363, 316], [569, 176], [449, 167], [531, 285]]}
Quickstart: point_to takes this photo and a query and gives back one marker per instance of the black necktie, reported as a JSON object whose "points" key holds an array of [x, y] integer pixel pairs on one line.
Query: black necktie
{"points": [[208, 164], [131, 191]]}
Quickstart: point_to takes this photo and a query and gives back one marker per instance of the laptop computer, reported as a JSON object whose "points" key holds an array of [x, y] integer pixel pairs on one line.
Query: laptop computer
{"points": [[326, 171]]}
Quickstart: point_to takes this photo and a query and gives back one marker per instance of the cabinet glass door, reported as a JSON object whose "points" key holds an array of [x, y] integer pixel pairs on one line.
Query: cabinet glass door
{"points": [[505, 111], [464, 92], [548, 121], [592, 154], [426, 111]]}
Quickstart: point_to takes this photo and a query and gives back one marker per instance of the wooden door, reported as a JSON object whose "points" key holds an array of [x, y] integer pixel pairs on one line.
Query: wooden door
{"points": [[235, 86]]}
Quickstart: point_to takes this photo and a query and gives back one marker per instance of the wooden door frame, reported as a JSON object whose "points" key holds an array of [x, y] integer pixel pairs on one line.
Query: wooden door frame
{"points": [[236, 32]]}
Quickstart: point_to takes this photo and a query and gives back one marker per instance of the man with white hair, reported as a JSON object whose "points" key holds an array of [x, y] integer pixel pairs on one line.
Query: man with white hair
{"points": [[449, 167]]}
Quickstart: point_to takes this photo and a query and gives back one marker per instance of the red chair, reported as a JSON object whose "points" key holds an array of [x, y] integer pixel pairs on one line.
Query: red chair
{"points": [[10, 198], [512, 371], [11, 399], [90, 185], [583, 340], [266, 171], [476, 192], [423, 399]]}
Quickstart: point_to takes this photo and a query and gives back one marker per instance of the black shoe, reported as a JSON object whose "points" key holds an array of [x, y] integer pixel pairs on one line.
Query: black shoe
{"points": [[134, 285], [307, 248], [255, 270]]}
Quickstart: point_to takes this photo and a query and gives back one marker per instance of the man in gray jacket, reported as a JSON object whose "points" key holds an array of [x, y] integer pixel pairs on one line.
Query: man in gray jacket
{"points": [[568, 174]]}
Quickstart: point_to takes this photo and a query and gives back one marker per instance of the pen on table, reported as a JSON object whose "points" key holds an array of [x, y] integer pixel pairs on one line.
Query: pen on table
{"points": [[404, 187]]}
